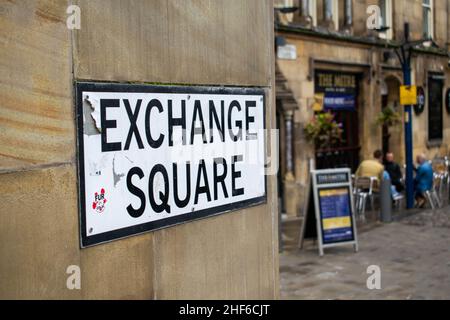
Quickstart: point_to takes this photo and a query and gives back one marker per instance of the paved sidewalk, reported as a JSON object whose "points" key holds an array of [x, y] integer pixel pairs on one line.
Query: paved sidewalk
{"points": [[413, 254]]}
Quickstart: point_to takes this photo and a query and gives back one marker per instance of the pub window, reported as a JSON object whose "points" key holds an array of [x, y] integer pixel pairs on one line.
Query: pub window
{"points": [[435, 106], [310, 10], [327, 11], [427, 6], [386, 19]]}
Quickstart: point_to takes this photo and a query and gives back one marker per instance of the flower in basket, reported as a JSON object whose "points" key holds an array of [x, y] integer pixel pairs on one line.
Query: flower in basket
{"points": [[388, 117], [323, 130]]}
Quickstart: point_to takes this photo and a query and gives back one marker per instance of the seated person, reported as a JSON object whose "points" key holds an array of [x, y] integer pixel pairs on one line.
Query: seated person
{"points": [[394, 193], [424, 179], [372, 168], [394, 172]]}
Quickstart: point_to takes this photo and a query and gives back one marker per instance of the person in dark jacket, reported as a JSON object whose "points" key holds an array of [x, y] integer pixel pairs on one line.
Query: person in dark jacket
{"points": [[395, 173]]}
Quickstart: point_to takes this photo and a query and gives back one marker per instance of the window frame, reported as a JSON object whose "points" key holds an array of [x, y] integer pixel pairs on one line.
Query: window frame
{"points": [[429, 8], [335, 13], [387, 16], [312, 11], [440, 78]]}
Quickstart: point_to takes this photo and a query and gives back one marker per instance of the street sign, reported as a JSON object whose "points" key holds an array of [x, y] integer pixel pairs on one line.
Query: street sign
{"points": [[408, 95], [287, 52], [151, 157], [331, 198]]}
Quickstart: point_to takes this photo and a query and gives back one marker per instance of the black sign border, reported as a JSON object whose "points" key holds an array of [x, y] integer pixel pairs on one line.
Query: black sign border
{"points": [[80, 87], [320, 185], [351, 215]]}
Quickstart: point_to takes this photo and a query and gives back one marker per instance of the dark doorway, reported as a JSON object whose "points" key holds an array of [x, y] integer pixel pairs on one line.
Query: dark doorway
{"points": [[385, 130], [341, 92], [392, 136], [346, 153]]}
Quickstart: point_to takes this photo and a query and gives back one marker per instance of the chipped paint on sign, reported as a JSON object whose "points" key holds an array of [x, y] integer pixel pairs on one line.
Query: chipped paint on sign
{"points": [[94, 115]]}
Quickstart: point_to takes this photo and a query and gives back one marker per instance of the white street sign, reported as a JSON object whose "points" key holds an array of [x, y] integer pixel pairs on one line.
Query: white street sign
{"points": [[155, 156]]}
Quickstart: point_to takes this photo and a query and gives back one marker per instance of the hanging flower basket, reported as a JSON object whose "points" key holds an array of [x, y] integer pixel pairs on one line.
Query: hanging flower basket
{"points": [[388, 117], [323, 130]]}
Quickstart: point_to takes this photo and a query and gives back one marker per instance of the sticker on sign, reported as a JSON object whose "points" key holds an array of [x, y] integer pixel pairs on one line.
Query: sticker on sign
{"points": [[150, 157]]}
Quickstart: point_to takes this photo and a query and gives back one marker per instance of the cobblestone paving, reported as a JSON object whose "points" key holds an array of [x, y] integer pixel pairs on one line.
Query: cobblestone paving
{"points": [[413, 255]]}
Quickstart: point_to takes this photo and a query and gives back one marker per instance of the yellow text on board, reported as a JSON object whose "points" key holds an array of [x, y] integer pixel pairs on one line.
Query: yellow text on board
{"points": [[318, 102], [408, 95]]}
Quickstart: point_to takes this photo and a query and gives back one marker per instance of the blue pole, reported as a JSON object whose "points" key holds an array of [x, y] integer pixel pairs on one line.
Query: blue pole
{"points": [[408, 141]]}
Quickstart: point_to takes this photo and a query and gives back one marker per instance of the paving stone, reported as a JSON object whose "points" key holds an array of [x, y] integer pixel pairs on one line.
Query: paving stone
{"points": [[412, 253]]}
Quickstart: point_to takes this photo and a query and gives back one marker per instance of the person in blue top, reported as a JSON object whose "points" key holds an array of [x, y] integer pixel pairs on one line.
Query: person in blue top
{"points": [[394, 193], [424, 179]]}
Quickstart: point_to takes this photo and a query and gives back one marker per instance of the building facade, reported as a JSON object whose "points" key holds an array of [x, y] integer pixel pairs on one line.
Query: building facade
{"points": [[335, 53], [42, 54]]}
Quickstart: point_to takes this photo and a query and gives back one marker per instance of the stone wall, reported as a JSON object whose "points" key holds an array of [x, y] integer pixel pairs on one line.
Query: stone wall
{"points": [[185, 42]]}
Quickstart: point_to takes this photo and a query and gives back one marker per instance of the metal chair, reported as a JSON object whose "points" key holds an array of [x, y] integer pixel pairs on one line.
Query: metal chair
{"points": [[443, 184], [433, 199], [360, 205], [441, 167], [363, 191], [398, 202], [432, 196]]}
